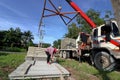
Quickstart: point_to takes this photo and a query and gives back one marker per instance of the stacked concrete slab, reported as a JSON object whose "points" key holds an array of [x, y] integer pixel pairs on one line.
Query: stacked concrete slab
{"points": [[36, 53], [36, 67]]}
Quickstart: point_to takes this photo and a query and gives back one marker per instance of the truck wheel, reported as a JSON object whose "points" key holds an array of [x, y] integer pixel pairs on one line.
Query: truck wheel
{"points": [[64, 55], [103, 61], [73, 54], [61, 54]]}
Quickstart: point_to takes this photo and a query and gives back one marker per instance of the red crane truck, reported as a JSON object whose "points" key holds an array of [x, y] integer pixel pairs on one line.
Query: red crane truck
{"points": [[105, 42]]}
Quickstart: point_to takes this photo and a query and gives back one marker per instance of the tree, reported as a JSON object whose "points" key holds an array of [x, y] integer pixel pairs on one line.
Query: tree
{"points": [[73, 31], [93, 15], [15, 38], [2, 37], [45, 45], [82, 26], [27, 38], [12, 38], [18, 36], [57, 43]]}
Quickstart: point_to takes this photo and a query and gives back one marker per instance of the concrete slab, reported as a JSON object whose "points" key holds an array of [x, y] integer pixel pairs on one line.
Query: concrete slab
{"points": [[36, 53], [39, 70], [36, 67]]}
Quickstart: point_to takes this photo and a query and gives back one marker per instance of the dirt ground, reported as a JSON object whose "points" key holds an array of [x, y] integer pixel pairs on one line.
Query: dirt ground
{"points": [[75, 75]]}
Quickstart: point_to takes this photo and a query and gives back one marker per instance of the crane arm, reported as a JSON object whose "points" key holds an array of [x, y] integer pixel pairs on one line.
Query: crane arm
{"points": [[81, 13]]}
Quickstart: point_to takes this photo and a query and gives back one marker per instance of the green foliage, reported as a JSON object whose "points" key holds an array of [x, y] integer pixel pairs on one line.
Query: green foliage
{"points": [[13, 37], [11, 59], [16, 38], [94, 16], [2, 37], [8, 62], [82, 26], [27, 38], [13, 49], [57, 43], [45, 45], [73, 31], [83, 71]]}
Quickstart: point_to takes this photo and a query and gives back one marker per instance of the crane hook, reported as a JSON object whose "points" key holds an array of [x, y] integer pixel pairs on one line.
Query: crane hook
{"points": [[59, 7]]}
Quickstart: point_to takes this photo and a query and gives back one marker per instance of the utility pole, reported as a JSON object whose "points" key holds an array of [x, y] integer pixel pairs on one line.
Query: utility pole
{"points": [[41, 36]]}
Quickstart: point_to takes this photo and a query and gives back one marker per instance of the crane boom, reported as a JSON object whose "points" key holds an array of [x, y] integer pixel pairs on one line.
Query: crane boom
{"points": [[81, 13]]}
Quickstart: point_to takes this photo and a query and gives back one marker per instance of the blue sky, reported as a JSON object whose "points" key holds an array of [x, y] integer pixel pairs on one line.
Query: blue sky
{"points": [[26, 15]]}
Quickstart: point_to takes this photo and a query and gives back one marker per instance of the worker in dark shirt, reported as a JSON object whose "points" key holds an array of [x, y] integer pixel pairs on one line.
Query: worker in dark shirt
{"points": [[84, 38]]}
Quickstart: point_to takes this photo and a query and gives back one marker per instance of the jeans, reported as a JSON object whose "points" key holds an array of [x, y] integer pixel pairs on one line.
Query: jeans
{"points": [[48, 57]]}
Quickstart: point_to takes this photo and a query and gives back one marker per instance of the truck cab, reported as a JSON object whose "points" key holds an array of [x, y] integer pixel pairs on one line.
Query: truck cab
{"points": [[104, 49], [106, 35], [106, 46]]}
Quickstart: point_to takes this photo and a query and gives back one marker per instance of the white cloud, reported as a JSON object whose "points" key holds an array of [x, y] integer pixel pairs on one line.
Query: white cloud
{"points": [[6, 24], [19, 20], [49, 39], [13, 9], [46, 39], [54, 27]]}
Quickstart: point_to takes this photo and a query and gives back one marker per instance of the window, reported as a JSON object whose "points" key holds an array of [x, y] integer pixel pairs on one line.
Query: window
{"points": [[115, 30], [103, 30], [95, 33]]}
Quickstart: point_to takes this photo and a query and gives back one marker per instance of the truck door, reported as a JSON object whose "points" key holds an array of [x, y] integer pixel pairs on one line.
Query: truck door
{"points": [[95, 38]]}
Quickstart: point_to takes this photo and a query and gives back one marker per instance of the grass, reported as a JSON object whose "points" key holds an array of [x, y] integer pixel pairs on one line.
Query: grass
{"points": [[84, 71], [79, 71], [8, 62], [12, 49]]}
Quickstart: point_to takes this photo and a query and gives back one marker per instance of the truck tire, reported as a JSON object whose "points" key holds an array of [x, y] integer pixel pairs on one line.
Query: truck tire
{"points": [[64, 54], [73, 55], [103, 61], [61, 54]]}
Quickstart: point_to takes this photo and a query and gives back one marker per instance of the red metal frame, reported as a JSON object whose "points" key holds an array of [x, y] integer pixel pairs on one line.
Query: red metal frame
{"points": [[81, 13], [56, 12], [62, 14], [88, 20]]}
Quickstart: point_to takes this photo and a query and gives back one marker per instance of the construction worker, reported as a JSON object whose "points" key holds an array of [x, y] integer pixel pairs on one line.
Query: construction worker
{"points": [[84, 38], [50, 51]]}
